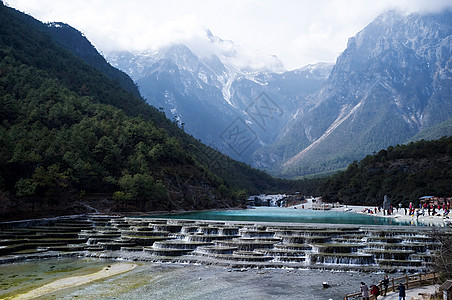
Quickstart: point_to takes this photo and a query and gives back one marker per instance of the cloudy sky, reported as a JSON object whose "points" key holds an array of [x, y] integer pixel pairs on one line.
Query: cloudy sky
{"points": [[299, 32]]}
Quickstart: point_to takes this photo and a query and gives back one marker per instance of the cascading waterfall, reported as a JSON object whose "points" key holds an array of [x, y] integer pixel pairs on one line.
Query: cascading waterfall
{"points": [[344, 259], [349, 246]]}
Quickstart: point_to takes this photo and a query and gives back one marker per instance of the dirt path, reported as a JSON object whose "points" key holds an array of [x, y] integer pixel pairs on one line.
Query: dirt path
{"points": [[413, 293]]}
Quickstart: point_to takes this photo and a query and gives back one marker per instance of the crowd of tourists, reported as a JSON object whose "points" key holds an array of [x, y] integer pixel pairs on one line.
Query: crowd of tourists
{"points": [[422, 210]]}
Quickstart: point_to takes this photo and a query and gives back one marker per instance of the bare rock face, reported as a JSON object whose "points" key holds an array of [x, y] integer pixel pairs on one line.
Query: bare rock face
{"points": [[209, 95], [393, 81]]}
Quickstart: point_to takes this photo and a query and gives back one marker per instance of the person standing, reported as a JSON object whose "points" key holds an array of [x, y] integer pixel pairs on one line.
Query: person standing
{"points": [[401, 289], [364, 291], [385, 283]]}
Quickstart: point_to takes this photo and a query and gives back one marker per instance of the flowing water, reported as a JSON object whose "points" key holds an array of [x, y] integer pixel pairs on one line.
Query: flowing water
{"points": [[251, 245], [172, 281]]}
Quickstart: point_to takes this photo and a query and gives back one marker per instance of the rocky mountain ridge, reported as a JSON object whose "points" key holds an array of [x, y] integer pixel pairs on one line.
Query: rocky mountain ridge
{"points": [[199, 91], [74, 140], [391, 82]]}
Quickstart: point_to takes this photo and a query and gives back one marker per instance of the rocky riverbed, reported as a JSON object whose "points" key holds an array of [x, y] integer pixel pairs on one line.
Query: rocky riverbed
{"points": [[74, 257], [175, 281]]}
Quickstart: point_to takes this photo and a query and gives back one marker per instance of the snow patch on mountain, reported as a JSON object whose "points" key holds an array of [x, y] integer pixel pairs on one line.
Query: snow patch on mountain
{"points": [[226, 89], [344, 115]]}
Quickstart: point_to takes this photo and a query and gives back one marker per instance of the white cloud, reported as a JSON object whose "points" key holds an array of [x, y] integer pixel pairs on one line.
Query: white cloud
{"points": [[298, 32]]}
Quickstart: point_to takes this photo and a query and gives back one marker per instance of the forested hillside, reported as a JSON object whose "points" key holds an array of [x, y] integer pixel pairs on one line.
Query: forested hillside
{"points": [[404, 173], [72, 140], [435, 132], [73, 40], [69, 133]]}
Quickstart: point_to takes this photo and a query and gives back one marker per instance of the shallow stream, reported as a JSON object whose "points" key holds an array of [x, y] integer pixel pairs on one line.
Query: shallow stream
{"points": [[173, 281], [164, 280]]}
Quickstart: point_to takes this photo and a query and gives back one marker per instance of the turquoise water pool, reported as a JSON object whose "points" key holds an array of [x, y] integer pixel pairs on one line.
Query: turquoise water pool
{"points": [[287, 215]]}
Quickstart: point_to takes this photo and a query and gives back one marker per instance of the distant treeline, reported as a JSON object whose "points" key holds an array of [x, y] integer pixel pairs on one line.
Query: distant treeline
{"points": [[404, 173]]}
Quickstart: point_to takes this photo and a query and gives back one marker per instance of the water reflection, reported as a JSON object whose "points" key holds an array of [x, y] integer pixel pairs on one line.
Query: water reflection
{"points": [[287, 215]]}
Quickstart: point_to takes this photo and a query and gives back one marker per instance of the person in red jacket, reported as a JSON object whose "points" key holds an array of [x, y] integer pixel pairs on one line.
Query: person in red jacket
{"points": [[375, 291]]}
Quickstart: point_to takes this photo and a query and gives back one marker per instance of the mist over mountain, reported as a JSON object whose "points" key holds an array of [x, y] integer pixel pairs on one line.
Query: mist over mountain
{"points": [[74, 140], [392, 82], [74, 41], [208, 97]]}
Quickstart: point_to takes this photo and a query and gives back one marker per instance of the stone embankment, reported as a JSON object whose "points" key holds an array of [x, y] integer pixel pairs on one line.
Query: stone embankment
{"points": [[240, 245]]}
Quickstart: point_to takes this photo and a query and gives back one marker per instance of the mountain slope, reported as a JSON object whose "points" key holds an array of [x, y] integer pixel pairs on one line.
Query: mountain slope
{"points": [[434, 132], [70, 136], [391, 82], [189, 91], [200, 91], [404, 173], [73, 40]]}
